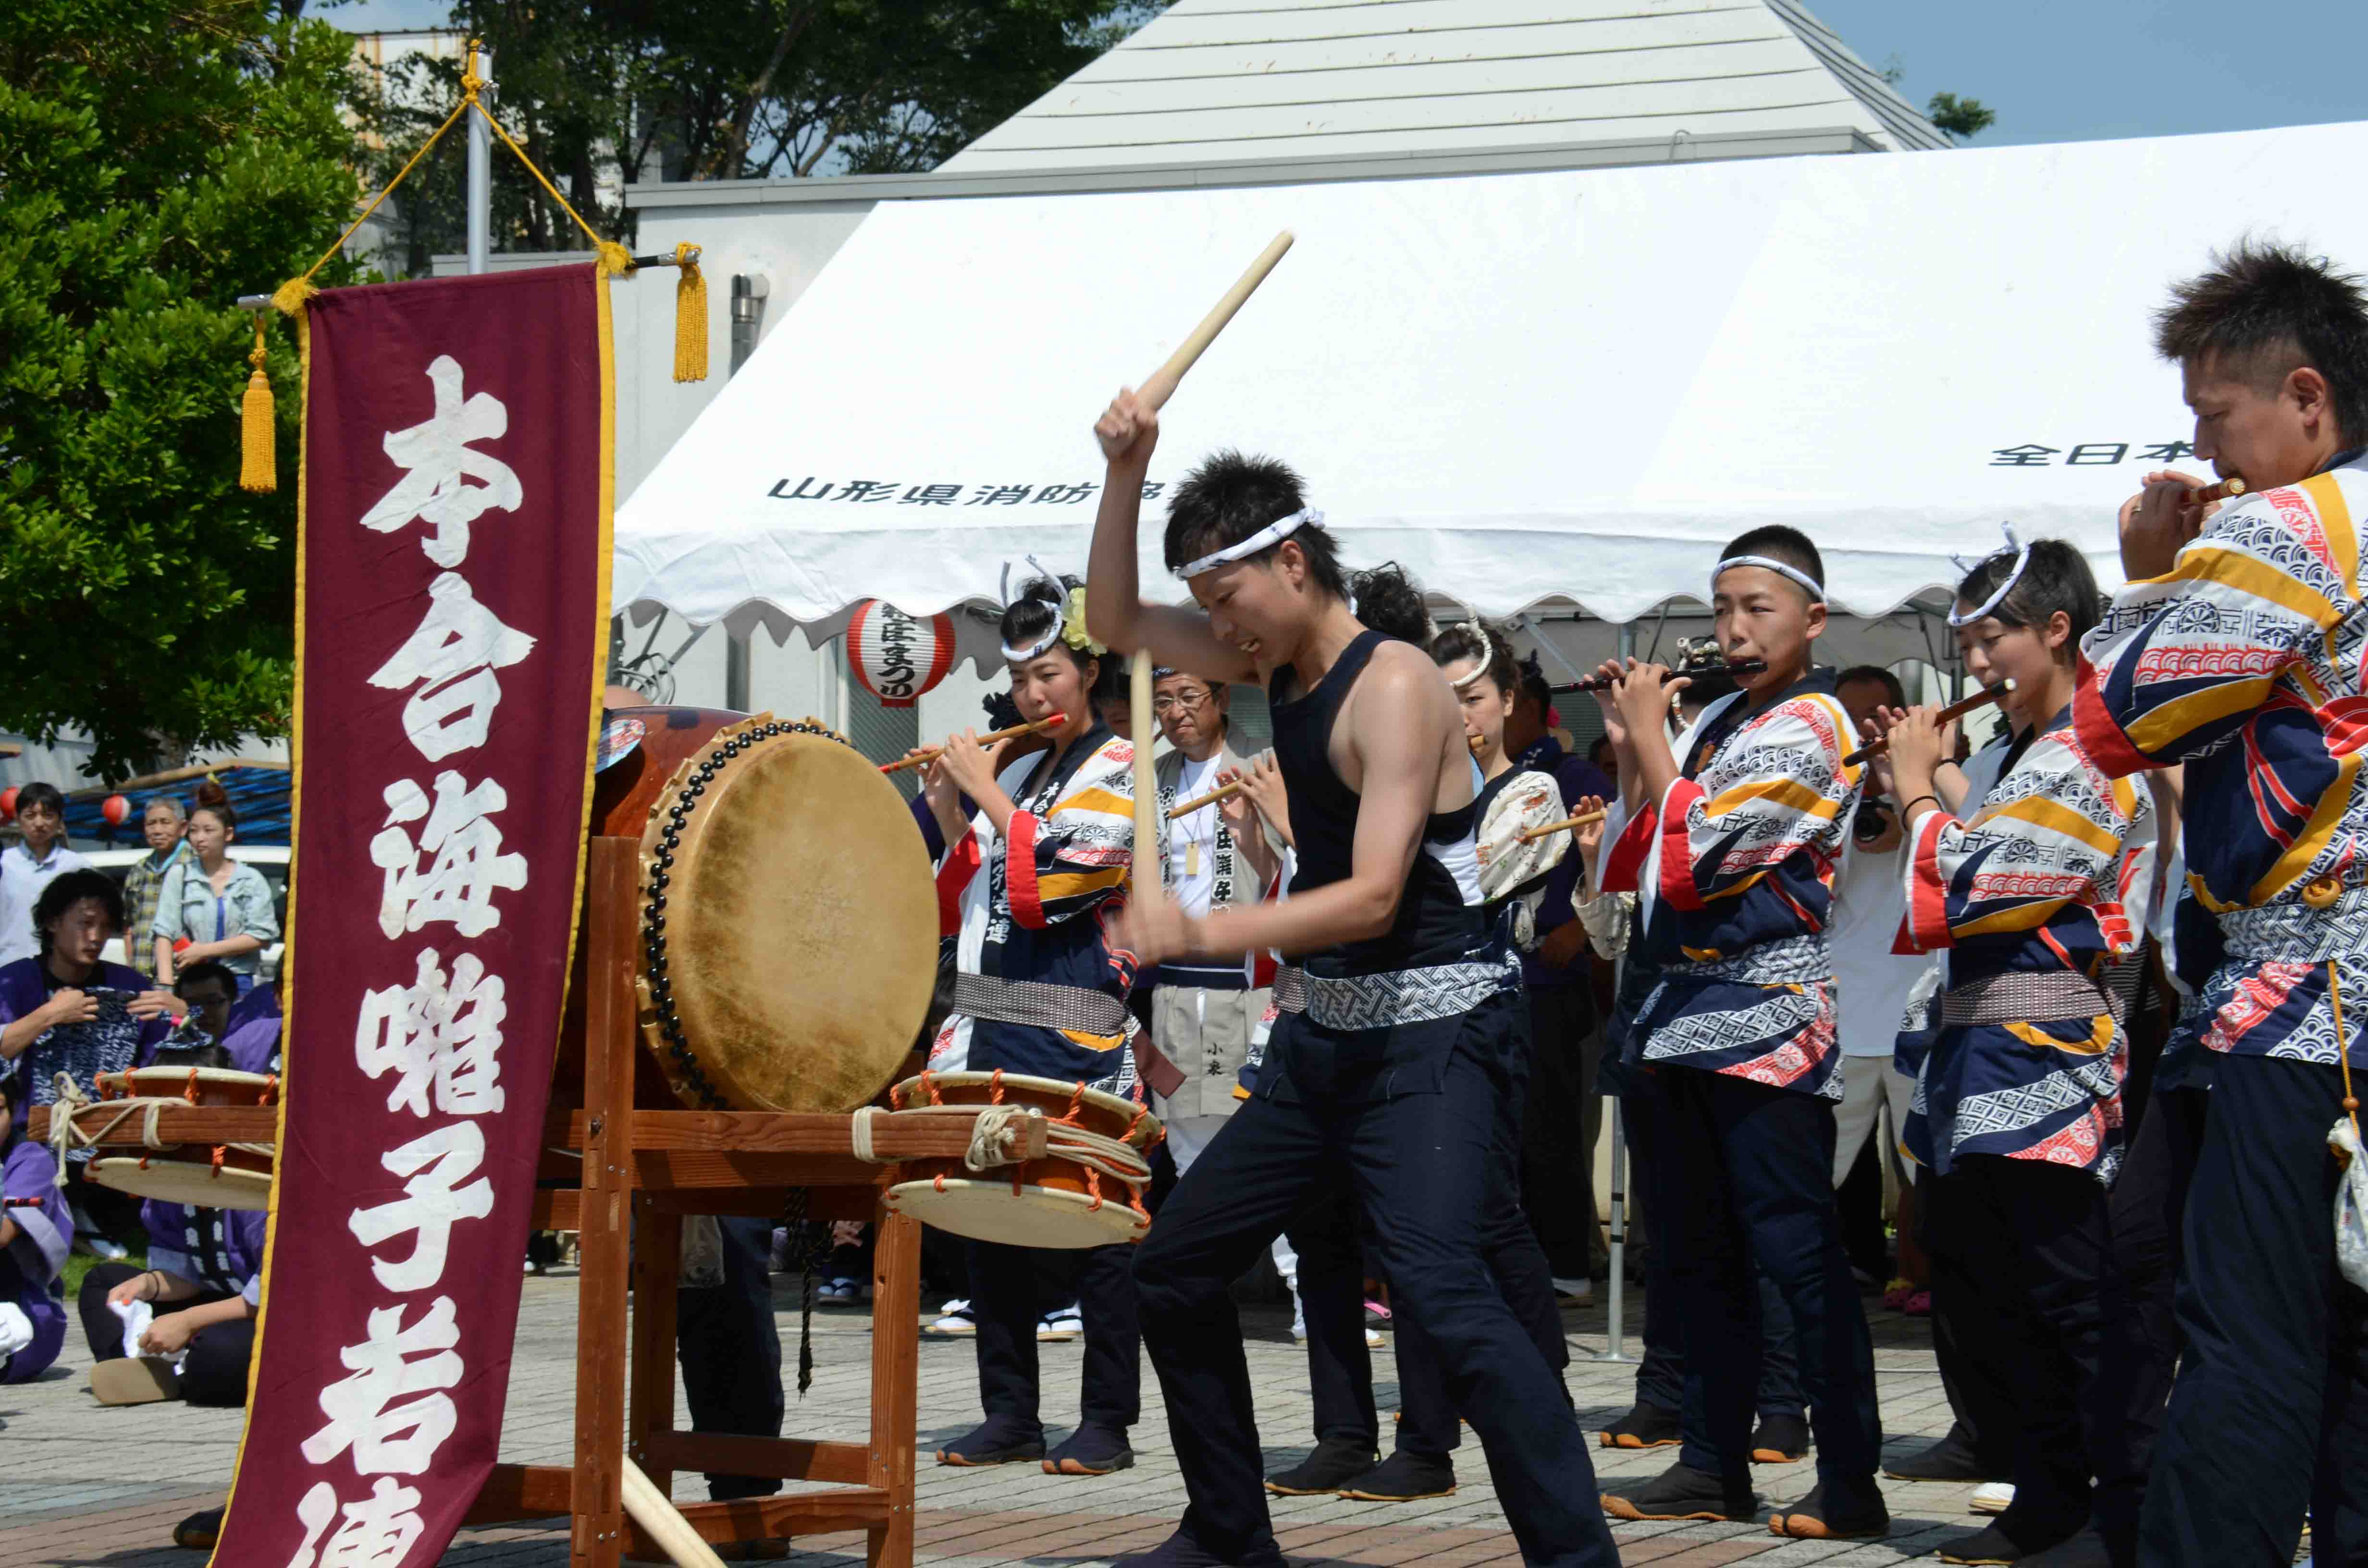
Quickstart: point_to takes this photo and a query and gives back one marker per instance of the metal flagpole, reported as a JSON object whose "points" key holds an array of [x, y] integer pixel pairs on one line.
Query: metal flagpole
{"points": [[481, 173], [1615, 1324]]}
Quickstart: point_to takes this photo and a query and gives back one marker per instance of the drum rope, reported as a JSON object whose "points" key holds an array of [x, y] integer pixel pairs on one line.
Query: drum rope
{"points": [[66, 1133], [995, 1140]]}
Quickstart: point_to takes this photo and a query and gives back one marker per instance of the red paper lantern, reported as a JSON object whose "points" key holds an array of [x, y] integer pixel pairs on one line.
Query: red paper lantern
{"points": [[9, 803], [114, 808], [897, 657]]}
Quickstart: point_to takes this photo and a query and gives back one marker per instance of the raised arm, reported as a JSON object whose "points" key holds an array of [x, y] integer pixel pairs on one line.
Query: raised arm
{"points": [[1129, 432]]}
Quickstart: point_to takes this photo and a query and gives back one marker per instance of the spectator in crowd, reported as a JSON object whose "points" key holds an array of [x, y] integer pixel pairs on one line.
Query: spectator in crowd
{"points": [[35, 1232], [26, 869], [1561, 1114], [66, 1011], [1606, 757], [213, 907], [165, 826]]}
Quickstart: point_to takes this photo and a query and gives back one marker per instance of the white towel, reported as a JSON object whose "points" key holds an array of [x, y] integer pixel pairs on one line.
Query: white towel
{"points": [[16, 1330], [137, 1317]]}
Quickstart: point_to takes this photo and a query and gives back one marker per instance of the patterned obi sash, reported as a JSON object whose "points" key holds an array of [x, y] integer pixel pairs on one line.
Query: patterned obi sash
{"points": [[1793, 961], [1393, 996]]}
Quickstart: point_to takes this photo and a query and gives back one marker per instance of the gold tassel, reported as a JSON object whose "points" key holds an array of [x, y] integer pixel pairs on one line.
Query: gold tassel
{"points": [[615, 259], [258, 469], [689, 316]]}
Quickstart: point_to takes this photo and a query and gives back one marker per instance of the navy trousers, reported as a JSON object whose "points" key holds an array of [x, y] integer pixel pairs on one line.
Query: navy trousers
{"points": [[2035, 1243], [1421, 1165], [1663, 1378], [1326, 1234], [1980, 1391], [2273, 1389], [1011, 1288], [732, 1351], [1339, 1367], [1752, 1177]]}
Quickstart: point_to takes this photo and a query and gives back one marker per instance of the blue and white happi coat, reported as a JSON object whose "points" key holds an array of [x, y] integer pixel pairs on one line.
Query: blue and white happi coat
{"points": [[2249, 662], [2047, 877], [1734, 869]]}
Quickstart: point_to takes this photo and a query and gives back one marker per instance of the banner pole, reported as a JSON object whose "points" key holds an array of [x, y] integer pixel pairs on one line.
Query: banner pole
{"points": [[480, 168]]}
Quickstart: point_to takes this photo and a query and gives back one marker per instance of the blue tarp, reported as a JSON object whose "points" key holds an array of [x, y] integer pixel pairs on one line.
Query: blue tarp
{"points": [[259, 795]]}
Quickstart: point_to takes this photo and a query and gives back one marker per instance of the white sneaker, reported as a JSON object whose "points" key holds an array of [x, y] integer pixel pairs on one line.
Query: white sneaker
{"points": [[1574, 1292], [954, 1323], [99, 1247], [1991, 1497], [1373, 1339], [1059, 1328]]}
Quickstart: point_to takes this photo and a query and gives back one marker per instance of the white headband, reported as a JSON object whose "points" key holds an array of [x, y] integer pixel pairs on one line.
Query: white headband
{"points": [[1816, 589], [1274, 533], [2021, 554], [1058, 600]]}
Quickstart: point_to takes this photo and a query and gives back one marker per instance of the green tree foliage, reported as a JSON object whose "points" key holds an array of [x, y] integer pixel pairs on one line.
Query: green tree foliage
{"points": [[158, 158], [1960, 118], [602, 93]]}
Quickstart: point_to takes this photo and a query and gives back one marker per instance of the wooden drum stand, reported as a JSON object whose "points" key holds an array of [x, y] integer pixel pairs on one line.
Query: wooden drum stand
{"points": [[642, 1170]]}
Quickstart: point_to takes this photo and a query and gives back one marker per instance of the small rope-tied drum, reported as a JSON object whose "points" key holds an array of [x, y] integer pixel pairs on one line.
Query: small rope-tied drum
{"points": [[1086, 1192], [788, 923], [204, 1176]]}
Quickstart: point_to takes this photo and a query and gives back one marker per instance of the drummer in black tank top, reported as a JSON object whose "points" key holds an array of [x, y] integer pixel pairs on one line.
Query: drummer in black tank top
{"points": [[1383, 1070]]}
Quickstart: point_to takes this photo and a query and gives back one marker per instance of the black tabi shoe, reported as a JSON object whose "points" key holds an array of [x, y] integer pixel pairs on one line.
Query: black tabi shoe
{"points": [[995, 1443], [1811, 1519], [1333, 1465], [198, 1531], [1780, 1441], [2086, 1550], [1950, 1459], [1091, 1450], [1644, 1426], [1404, 1477], [1682, 1492], [1181, 1551], [1990, 1546]]}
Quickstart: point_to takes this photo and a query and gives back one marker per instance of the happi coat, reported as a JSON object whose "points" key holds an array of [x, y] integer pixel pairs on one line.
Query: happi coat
{"points": [[1734, 867], [30, 1263], [2046, 876], [1034, 905], [2248, 661]]}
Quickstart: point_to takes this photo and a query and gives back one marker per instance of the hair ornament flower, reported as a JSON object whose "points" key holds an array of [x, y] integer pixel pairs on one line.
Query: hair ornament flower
{"points": [[1073, 624]]}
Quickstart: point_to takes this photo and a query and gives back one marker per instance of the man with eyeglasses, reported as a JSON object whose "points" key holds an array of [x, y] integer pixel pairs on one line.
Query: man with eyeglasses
{"points": [[1201, 1012]]}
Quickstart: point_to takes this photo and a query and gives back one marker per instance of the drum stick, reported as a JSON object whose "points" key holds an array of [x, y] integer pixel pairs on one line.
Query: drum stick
{"points": [[1049, 721], [1567, 823], [1221, 792], [1147, 781], [655, 1512], [1957, 710], [1161, 386]]}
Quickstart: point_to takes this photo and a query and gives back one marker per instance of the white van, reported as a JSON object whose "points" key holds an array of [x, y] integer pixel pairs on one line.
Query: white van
{"points": [[271, 859]]}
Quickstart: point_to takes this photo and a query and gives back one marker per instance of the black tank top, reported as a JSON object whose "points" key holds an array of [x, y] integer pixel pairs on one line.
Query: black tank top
{"points": [[1439, 918]]}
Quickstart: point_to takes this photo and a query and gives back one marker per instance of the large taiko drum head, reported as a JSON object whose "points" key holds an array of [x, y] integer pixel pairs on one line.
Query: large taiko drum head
{"points": [[790, 923]]}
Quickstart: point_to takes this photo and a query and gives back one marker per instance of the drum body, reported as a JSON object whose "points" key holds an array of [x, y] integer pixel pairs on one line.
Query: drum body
{"points": [[787, 915], [202, 1175], [1058, 1201]]}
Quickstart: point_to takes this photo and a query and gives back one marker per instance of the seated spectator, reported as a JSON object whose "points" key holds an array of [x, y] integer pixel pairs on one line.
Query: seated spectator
{"points": [[35, 1233], [27, 869], [67, 1012], [201, 1292], [165, 826], [212, 907]]}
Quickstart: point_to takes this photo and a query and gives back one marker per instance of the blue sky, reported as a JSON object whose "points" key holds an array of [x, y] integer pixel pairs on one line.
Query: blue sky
{"points": [[2054, 70]]}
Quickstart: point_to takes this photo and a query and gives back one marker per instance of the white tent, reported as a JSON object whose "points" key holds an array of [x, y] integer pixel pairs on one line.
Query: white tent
{"points": [[1555, 392]]}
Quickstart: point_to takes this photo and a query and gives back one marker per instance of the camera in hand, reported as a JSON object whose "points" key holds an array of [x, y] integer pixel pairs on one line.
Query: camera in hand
{"points": [[1872, 821]]}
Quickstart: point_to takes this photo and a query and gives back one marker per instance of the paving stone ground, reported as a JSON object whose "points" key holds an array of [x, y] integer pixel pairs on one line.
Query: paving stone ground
{"points": [[88, 1485]]}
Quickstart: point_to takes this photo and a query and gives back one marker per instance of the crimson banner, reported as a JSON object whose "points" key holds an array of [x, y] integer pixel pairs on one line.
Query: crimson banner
{"points": [[452, 588]]}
